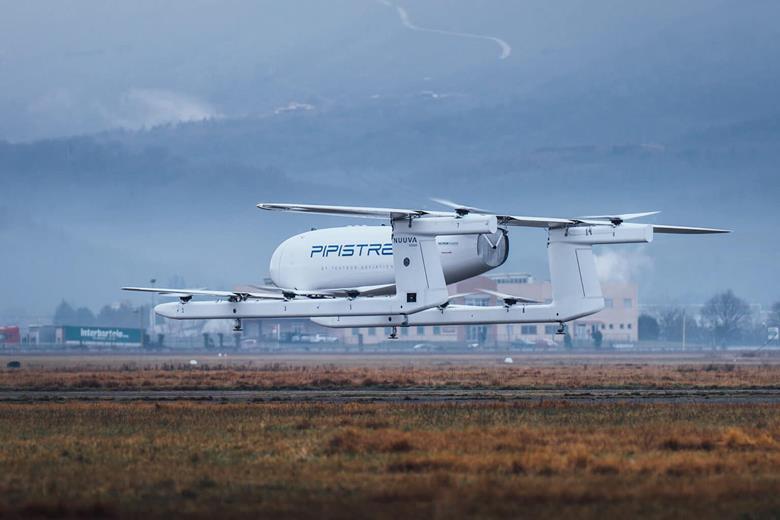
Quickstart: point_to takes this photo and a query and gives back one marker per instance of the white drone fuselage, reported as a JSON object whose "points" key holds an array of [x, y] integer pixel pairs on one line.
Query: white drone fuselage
{"points": [[360, 256]]}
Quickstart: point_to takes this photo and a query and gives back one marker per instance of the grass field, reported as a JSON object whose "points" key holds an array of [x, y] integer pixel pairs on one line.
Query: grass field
{"points": [[486, 371], [389, 460]]}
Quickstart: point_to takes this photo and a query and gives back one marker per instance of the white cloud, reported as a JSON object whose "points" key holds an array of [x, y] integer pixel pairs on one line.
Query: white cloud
{"points": [[144, 108], [293, 106], [626, 265]]}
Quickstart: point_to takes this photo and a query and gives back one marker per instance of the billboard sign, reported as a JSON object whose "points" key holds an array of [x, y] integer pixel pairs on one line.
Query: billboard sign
{"points": [[9, 335], [102, 336]]}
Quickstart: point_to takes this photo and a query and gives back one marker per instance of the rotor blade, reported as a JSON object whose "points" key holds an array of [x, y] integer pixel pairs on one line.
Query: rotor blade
{"points": [[269, 288], [452, 297], [538, 222], [458, 295], [352, 211], [262, 296], [622, 217], [684, 230], [283, 292], [185, 292], [181, 293], [460, 209], [248, 291], [590, 222], [367, 290], [509, 297]]}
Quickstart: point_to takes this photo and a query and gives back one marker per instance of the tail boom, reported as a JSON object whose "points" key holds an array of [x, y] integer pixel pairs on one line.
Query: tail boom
{"points": [[575, 285]]}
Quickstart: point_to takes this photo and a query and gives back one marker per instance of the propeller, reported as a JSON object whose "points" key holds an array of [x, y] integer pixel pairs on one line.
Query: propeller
{"points": [[460, 209], [454, 297], [508, 299], [594, 220], [286, 293], [619, 219], [498, 240]]}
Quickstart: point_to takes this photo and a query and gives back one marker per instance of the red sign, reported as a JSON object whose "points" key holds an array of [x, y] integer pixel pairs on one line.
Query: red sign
{"points": [[9, 335]]}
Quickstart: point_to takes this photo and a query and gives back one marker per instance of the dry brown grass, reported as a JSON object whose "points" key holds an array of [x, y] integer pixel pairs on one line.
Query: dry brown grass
{"points": [[390, 460], [217, 375]]}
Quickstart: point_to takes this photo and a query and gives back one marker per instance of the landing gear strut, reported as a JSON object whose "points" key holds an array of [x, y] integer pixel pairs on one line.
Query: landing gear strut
{"points": [[237, 325], [393, 333], [561, 329]]}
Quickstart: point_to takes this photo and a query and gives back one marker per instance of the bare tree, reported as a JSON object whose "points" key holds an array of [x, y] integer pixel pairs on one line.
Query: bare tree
{"points": [[649, 329], [670, 323], [727, 316]]}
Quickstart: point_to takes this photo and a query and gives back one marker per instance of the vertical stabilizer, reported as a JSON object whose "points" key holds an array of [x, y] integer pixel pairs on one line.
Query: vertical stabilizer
{"points": [[573, 272], [575, 284], [419, 278]]}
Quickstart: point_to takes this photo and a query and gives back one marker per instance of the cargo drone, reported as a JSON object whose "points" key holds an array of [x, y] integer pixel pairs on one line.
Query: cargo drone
{"points": [[397, 275]]}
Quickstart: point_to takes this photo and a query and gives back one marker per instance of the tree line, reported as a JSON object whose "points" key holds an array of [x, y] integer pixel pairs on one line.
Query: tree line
{"points": [[725, 319], [121, 315]]}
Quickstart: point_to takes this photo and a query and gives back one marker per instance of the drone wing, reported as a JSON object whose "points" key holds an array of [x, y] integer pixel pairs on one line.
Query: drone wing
{"points": [[460, 210]]}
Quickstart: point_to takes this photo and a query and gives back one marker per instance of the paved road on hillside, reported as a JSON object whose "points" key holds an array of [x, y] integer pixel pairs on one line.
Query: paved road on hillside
{"points": [[406, 21]]}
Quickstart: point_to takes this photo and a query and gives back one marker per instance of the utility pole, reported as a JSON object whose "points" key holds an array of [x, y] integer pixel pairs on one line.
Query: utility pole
{"points": [[683, 329], [152, 318]]}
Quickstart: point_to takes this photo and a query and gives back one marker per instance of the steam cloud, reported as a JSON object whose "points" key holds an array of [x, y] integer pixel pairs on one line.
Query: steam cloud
{"points": [[622, 265]]}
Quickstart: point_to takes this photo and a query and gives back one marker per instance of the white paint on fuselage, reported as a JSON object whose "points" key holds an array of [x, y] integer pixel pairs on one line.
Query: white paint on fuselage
{"points": [[357, 256]]}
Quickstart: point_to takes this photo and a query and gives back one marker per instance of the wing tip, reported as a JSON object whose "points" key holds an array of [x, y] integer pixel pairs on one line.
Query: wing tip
{"points": [[685, 230]]}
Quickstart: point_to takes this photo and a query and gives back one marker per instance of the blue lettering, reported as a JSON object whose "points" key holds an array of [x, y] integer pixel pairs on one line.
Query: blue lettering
{"points": [[352, 249]]}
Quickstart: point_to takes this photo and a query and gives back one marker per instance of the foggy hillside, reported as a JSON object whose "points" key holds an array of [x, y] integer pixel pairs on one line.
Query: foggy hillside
{"points": [[143, 147]]}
